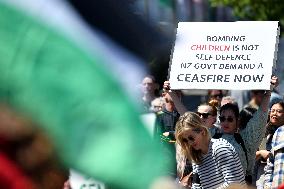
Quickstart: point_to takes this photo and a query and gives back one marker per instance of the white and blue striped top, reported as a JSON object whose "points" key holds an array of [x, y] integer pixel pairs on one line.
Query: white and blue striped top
{"points": [[220, 167]]}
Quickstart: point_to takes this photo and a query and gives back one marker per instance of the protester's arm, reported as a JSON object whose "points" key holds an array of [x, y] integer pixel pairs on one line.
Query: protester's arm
{"points": [[265, 102], [262, 154], [254, 131], [178, 104]]}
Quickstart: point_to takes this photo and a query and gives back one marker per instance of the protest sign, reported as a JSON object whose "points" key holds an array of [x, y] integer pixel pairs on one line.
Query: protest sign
{"points": [[79, 181], [224, 55]]}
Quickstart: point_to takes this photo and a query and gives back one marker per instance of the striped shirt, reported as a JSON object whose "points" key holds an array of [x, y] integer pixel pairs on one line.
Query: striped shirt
{"points": [[220, 167]]}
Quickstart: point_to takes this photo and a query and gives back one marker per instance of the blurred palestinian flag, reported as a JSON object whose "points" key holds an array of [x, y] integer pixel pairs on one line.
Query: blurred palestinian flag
{"points": [[57, 72]]}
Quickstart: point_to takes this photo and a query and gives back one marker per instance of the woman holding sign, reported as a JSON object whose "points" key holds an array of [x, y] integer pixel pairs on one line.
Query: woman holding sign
{"points": [[248, 140]]}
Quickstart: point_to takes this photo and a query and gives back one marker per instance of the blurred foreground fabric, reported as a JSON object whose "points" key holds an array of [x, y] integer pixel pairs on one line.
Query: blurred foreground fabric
{"points": [[68, 91]]}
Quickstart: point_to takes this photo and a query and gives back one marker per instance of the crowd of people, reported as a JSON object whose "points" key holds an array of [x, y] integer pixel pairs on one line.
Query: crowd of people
{"points": [[62, 108], [218, 144]]}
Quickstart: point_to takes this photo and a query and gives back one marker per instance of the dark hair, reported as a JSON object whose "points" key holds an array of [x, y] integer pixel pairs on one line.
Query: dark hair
{"points": [[270, 129], [230, 106], [156, 92], [245, 115], [256, 92], [280, 102], [210, 90], [151, 77]]}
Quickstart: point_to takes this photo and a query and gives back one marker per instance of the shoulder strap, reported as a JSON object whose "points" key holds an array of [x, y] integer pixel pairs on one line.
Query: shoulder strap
{"points": [[217, 135], [240, 141], [195, 178]]}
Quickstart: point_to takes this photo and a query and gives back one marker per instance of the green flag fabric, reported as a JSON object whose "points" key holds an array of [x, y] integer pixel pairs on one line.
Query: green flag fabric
{"points": [[167, 3], [69, 92]]}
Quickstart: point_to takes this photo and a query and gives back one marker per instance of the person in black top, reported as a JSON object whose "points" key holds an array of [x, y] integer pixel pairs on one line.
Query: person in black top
{"points": [[164, 131]]}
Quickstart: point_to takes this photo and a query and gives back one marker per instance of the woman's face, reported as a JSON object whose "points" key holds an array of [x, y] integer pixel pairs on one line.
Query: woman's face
{"points": [[194, 138], [277, 115], [205, 113], [228, 122]]}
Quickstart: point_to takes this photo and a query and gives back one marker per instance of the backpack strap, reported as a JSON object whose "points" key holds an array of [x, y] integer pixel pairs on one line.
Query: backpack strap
{"points": [[240, 141], [195, 178], [217, 135]]}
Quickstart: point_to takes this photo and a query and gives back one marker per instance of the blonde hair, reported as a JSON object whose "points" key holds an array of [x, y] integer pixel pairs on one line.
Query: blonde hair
{"points": [[214, 103], [190, 121]]}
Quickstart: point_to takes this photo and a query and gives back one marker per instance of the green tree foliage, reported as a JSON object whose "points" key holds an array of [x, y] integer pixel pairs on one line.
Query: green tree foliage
{"points": [[258, 10]]}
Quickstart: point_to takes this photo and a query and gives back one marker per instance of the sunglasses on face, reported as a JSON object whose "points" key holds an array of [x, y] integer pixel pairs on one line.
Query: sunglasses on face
{"points": [[204, 115], [223, 119], [191, 139]]}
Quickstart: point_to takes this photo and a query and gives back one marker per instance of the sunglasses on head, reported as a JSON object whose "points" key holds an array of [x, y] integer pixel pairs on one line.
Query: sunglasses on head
{"points": [[216, 96], [223, 119], [204, 115]]}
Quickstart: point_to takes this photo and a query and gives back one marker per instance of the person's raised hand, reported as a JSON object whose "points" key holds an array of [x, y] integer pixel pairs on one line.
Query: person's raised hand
{"points": [[166, 87]]}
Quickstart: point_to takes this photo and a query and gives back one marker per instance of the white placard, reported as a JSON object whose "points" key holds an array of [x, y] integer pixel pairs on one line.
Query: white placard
{"points": [[79, 181], [224, 55]]}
